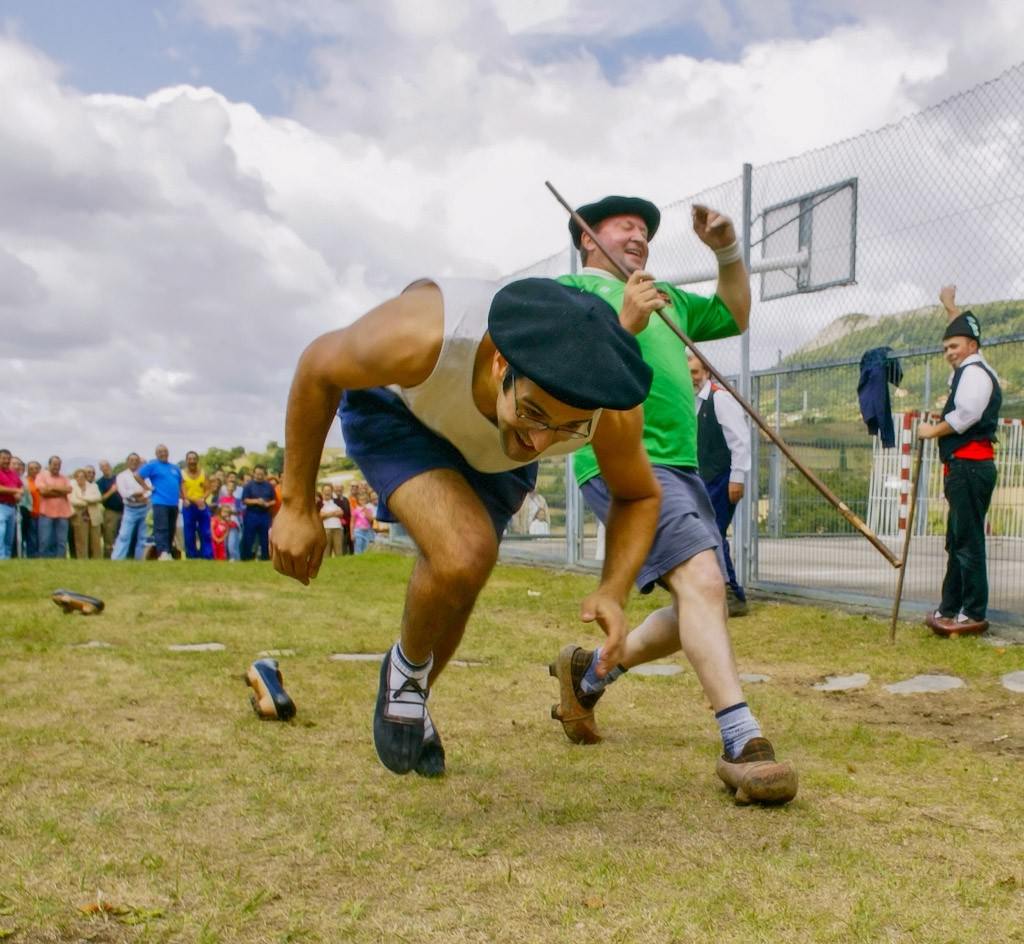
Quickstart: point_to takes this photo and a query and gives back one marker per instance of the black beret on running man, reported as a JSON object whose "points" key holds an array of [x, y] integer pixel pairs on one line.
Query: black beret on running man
{"points": [[537, 325]]}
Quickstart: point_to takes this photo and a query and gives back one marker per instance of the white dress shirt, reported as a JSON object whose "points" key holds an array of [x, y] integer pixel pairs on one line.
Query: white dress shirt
{"points": [[972, 395], [128, 487], [733, 421]]}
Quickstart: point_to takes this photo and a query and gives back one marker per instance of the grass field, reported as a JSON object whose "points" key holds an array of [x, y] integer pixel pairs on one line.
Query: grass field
{"points": [[143, 801]]}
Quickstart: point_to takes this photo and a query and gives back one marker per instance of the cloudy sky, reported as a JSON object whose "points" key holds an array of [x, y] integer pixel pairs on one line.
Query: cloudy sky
{"points": [[194, 189]]}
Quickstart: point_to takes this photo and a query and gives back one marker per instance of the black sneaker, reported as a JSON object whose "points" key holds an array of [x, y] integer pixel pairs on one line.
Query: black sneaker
{"points": [[398, 720], [737, 607], [269, 699], [575, 709], [431, 759]]}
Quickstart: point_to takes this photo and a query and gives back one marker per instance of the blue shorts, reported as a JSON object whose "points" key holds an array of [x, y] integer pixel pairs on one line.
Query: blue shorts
{"points": [[686, 522], [391, 446]]}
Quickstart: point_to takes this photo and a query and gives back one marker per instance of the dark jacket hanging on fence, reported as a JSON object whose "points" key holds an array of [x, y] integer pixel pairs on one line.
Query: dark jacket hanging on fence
{"points": [[878, 369]]}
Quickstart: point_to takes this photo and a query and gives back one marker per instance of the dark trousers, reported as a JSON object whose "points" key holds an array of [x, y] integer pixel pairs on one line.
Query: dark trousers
{"points": [[198, 542], [165, 523], [968, 488], [29, 536], [718, 491], [255, 527]]}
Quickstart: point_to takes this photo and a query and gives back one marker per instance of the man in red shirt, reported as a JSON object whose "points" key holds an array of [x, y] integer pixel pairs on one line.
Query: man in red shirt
{"points": [[10, 497]]}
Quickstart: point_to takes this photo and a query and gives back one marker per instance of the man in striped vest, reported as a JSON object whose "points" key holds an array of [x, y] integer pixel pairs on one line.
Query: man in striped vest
{"points": [[966, 434]]}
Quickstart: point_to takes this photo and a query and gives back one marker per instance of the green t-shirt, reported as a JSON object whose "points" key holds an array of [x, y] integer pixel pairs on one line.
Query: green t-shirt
{"points": [[670, 422]]}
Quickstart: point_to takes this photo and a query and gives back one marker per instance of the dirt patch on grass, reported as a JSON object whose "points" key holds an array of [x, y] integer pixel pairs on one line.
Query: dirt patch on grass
{"points": [[982, 716]]}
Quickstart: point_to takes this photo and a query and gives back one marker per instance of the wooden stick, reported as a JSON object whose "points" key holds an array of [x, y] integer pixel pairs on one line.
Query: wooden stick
{"points": [[918, 457], [829, 495]]}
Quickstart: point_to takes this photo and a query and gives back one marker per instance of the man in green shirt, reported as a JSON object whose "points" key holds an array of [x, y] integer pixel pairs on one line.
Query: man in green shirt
{"points": [[686, 555]]}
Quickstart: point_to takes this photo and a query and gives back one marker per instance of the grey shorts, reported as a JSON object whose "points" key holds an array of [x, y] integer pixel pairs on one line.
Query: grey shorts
{"points": [[686, 522]]}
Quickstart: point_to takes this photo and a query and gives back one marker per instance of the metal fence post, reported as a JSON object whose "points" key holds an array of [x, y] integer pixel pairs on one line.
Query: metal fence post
{"points": [[573, 518], [744, 520], [775, 473]]}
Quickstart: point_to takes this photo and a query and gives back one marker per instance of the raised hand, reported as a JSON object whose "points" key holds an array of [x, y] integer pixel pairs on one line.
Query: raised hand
{"points": [[714, 229]]}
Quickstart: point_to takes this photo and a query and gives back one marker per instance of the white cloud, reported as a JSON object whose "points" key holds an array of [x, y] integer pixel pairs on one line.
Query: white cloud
{"points": [[165, 259]]}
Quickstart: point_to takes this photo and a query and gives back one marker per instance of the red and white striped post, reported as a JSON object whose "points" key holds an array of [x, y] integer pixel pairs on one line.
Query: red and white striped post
{"points": [[906, 439]]}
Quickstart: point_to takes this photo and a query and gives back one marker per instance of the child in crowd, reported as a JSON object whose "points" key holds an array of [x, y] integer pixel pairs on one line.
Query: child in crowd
{"points": [[220, 528], [362, 518]]}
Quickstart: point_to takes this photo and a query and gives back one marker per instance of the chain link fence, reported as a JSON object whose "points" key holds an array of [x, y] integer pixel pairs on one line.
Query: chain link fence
{"points": [[850, 245]]}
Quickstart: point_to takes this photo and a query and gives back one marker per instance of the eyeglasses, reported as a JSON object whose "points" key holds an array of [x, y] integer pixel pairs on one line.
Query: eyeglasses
{"points": [[568, 432]]}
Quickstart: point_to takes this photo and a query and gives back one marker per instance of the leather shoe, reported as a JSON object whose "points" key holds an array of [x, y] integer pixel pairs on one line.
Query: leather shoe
{"points": [[756, 776], [574, 709], [953, 628]]}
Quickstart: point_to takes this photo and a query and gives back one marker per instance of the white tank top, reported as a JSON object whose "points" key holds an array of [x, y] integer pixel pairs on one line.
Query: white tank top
{"points": [[444, 401]]}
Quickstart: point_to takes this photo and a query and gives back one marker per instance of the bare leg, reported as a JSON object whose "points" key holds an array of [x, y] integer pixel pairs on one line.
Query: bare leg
{"points": [[699, 594], [457, 551], [655, 638]]}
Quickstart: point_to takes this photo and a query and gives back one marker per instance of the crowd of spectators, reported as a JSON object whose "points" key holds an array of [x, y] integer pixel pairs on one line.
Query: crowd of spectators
{"points": [[157, 509]]}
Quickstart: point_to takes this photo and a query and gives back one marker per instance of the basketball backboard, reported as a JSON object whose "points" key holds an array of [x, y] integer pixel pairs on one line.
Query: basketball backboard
{"points": [[817, 228]]}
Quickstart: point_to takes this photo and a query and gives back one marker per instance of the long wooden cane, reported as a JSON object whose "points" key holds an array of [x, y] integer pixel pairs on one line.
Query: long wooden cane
{"points": [[829, 495], [918, 457]]}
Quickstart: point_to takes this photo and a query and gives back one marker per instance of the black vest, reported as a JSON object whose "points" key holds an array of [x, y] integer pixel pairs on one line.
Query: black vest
{"points": [[713, 456], [982, 431]]}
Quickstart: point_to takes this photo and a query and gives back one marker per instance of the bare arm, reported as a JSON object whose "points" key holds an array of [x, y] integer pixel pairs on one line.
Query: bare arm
{"points": [[716, 231], [947, 295], [396, 343], [934, 430], [632, 518]]}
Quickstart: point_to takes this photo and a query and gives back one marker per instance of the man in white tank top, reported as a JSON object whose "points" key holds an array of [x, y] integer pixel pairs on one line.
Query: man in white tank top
{"points": [[449, 394]]}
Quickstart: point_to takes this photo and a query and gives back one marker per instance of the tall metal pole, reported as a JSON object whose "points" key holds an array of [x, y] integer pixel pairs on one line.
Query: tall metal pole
{"points": [[743, 523], [573, 518], [775, 509]]}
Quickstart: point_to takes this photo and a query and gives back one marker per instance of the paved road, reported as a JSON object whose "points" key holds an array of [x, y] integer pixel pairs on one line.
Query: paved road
{"points": [[844, 566]]}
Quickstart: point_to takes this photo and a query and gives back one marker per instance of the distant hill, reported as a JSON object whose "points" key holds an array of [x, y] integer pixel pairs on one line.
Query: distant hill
{"points": [[821, 396], [852, 334]]}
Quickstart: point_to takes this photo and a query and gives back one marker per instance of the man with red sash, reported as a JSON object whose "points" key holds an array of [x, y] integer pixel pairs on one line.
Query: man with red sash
{"points": [[965, 433]]}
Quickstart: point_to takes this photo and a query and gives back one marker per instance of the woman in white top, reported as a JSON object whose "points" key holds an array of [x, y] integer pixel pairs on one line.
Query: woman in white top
{"points": [[86, 524]]}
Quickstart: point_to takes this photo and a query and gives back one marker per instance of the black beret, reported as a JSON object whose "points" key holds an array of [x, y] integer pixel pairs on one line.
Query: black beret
{"points": [[594, 213], [966, 326], [570, 344]]}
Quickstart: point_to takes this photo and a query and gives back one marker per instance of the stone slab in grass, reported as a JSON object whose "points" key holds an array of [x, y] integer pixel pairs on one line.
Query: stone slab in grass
{"points": [[925, 684], [274, 653], [655, 668], [197, 647], [1014, 681], [754, 678], [93, 644], [843, 683]]}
